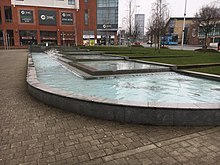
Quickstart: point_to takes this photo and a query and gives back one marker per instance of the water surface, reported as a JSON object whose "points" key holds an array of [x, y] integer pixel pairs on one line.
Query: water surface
{"points": [[119, 65], [164, 87]]}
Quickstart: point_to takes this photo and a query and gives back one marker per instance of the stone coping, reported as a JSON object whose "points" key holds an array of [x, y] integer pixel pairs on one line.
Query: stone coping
{"points": [[94, 72], [165, 56], [124, 111], [107, 57], [199, 75], [190, 66]]}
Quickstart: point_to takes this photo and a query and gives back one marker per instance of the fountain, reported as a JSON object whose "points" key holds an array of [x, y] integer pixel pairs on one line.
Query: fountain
{"points": [[139, 92]]}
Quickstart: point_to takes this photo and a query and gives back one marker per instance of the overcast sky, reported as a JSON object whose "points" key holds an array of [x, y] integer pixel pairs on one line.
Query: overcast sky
{"points": [[176, 7]]}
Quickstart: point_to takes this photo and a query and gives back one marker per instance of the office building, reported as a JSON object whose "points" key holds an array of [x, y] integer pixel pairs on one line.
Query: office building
{"points": [[139, 24], [107, 22], [58, 22]]}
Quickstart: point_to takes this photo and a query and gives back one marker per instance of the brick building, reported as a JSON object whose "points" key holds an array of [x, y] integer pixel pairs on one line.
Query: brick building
{"points": [[193, 35], [59, 22], [175, 26]]}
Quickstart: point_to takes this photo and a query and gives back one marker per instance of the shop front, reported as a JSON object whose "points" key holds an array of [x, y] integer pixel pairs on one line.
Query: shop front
{"points": [[105, 38], [89, 38], [48, 37], [67, 38], [28, 37]]}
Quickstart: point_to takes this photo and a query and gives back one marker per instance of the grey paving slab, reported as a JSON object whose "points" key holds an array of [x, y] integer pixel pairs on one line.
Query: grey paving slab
{"points": [[34, 133]]}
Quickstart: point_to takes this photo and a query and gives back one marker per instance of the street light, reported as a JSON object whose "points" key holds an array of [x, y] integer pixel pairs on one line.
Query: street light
{"points": [[184, 23], [119, 30], [214, 34], [137, 8], [130, 18]]}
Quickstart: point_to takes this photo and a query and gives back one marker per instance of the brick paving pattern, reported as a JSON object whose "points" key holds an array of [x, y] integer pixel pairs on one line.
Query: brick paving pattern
{"points": [[34, 133]]}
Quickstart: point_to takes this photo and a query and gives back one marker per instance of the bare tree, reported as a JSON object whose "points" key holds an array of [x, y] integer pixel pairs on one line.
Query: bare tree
{"points": [[159, 18], [216, 3], [132, 28], [136, 31], [206, 19], [151, 32]]}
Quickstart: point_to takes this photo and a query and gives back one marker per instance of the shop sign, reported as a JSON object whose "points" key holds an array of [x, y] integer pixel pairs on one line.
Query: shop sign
{"points": [[26, 16], [68, 39], [47, 17], [48, 38], [66, 18], [88, 36], [107, 26], [27, 37]]}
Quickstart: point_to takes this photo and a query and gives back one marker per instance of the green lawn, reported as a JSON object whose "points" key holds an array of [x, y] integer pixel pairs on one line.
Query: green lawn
{"points": [[194, 59], [190, 57], [211, 70], [135, 51]]}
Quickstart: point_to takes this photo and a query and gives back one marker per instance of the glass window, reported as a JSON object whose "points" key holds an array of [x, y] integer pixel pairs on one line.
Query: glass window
{"points": [[8, 14], [86, 17], [71, 2], [107, 3], [49, 37], [107, 13], [67, 38], [10, 37], [28, 37], [109, 16]]}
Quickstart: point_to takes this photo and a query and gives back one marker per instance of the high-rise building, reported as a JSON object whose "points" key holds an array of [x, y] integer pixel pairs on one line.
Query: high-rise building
{"points": [[139, 24], [58, 22]]}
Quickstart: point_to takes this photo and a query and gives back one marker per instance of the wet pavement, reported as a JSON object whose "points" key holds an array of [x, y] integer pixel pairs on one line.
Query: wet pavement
{"points": [[34, 133]]}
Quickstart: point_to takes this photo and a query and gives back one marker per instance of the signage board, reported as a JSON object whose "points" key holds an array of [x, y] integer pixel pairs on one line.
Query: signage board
{"points": [[88, 36], [47, 17], [26, 16], [107, 26], [66, 18]]}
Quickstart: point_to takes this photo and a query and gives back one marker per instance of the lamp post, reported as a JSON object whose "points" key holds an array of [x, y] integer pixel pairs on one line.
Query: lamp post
{"points": [[119, 35], [137, 25], [214, 34], [137, 8], [184, 23], [130, 18]]}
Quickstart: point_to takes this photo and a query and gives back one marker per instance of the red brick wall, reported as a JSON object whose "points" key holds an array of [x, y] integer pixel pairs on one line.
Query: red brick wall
{"points": [[91, 6], [77, 28]]}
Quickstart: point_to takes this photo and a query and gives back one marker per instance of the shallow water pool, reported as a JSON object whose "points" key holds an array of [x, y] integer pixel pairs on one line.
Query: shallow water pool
{"points": [[164, 87]]}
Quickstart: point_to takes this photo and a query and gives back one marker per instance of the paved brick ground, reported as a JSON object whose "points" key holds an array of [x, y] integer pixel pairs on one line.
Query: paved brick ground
{"points": [[34, 133]]}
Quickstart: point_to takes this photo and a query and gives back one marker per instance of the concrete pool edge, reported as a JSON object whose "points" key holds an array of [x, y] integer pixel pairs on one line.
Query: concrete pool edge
{"points": [[153, 114]]}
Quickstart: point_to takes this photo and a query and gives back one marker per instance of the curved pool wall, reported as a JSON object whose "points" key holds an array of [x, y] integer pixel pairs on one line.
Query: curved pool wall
{"points": [[196, 114]]}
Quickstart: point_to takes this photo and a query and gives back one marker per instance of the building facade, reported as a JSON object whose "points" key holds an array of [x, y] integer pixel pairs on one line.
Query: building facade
{"points": [[139, 24], [213, 37], [107, 22], [175, 27], [58, 22], [193, 34]]}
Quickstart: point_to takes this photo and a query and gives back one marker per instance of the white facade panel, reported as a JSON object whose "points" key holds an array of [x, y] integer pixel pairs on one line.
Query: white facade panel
{"points": [[46, 3]]}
